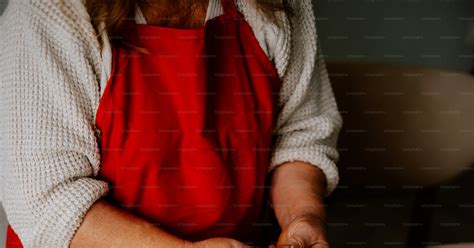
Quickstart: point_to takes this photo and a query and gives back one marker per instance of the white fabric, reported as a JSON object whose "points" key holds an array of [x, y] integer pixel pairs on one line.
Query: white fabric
{"points": [[51, 71]]}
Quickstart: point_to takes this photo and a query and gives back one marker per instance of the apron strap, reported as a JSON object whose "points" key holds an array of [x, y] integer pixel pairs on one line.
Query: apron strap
{"points": [[230, 9]]}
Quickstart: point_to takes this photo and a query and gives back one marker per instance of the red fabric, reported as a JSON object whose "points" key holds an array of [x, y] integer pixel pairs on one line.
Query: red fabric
{"points": [[186, 130], [12, 239]]}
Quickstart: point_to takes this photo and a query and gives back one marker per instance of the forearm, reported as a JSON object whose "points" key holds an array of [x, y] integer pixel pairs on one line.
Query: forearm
{"points": [[297, 188], [107, 226]]}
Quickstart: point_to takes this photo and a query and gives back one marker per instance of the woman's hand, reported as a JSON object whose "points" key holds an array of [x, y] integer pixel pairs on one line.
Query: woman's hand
{"points": [[297, 197], [305, 231], [218, 243]]}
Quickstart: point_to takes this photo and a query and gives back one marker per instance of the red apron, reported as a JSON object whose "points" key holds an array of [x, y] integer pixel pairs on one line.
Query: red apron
{"points": [[186, 129]]}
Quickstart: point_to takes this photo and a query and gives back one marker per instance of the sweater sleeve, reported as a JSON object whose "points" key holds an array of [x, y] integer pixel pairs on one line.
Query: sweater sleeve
{"points": [[48, 140], [309, 121]]}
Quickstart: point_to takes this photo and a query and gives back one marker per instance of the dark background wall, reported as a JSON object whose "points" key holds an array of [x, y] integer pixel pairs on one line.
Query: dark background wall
{"points": [[437, 33]]}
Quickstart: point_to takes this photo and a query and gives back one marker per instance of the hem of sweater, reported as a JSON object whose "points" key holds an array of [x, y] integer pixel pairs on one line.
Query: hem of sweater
{"points": [[67, 212]]}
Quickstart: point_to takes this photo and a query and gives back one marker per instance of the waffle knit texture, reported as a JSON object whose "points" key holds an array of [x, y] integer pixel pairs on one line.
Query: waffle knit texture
{"points": [[52, 74]]}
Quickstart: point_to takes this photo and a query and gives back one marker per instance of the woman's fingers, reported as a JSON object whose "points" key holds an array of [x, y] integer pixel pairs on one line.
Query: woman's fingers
{"points": [[314, 245], [304, 232], [219, 243], [318, 244]]}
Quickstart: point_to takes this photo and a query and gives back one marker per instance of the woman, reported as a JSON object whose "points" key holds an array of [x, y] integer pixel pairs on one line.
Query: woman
{"points": [[161, 130]]}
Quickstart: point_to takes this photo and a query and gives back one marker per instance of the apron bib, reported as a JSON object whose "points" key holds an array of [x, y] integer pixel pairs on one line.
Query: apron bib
{"points": [[186, 128]]}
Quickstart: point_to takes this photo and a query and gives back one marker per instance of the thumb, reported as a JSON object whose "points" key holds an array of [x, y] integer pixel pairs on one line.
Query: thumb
{"points": [[292, 241]]}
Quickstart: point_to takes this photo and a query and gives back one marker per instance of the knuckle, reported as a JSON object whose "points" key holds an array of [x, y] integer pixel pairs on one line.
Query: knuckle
{"points": [[296, 242]]}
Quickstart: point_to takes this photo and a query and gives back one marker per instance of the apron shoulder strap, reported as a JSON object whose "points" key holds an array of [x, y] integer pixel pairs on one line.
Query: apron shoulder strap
{"points": [[230, 9]]}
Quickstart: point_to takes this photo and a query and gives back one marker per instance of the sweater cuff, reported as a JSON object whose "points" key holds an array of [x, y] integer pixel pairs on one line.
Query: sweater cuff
{"points": [[66, 210], [312, 156]]}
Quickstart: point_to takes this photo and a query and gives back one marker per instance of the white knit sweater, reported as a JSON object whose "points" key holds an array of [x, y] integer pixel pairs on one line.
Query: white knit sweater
{"points": [[52, 73]]}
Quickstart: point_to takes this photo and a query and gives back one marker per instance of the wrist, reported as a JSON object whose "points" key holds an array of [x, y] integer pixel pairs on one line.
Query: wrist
{"points": [[287, 214], [297, 190], [189, 244], [296, 180]]}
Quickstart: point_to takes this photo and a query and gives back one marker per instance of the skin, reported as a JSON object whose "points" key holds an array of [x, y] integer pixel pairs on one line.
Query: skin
{"points": [[175, 13], [297, 188], [297, 196], [296, 193]]}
